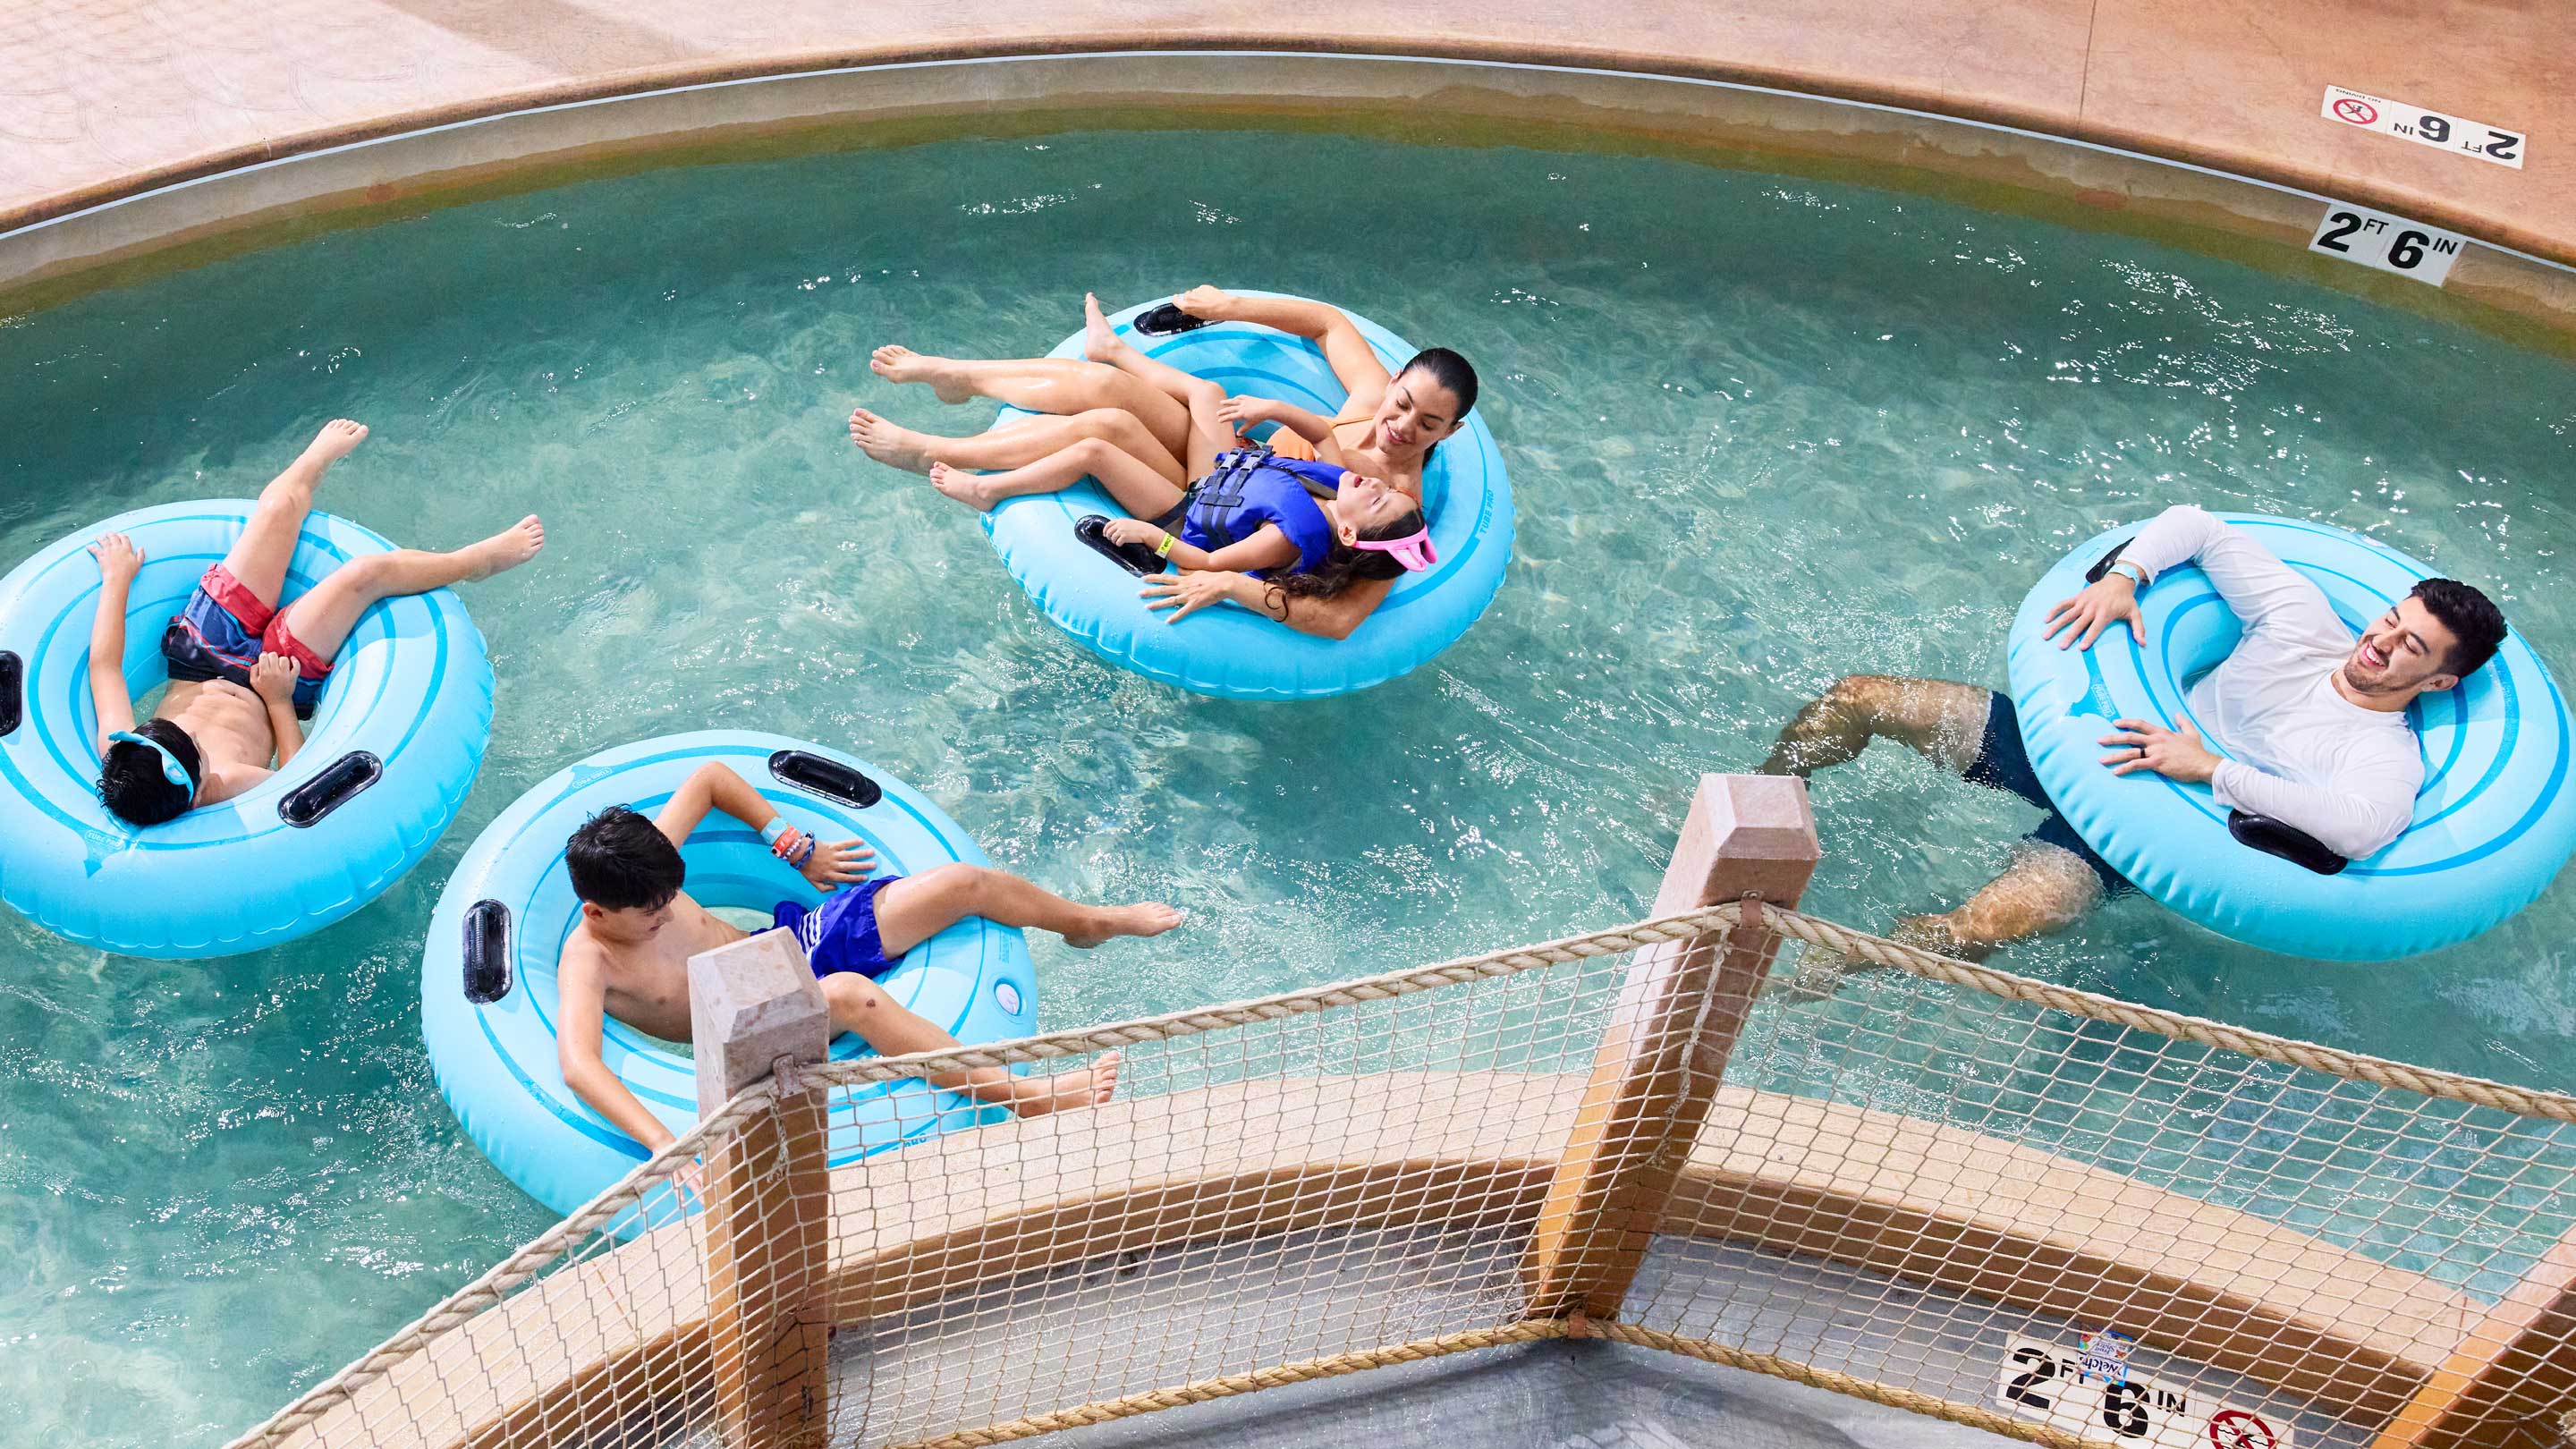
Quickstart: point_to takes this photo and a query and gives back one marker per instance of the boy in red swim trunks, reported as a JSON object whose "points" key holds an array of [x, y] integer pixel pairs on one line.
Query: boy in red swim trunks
{"points": [[245, 671]]}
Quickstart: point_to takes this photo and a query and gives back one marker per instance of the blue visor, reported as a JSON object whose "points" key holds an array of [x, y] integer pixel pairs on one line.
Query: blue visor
{"points": [[171, 769]]}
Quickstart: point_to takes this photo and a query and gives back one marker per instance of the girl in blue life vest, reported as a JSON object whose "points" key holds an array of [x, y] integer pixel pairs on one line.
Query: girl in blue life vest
{"points": [[1289, 527]]}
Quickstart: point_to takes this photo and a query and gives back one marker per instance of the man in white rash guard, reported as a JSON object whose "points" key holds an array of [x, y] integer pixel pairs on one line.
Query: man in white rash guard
{"points": [[2315, 719]]}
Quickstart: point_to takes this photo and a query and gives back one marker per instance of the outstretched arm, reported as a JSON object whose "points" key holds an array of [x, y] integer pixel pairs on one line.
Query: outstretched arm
{"points": [[1333, 618], [2271, 597], [118, 561], [1268, 548], [1338, 616], [581, 1006], [714, 787], [2266, 593], [1244, 410], [1349, 354]]}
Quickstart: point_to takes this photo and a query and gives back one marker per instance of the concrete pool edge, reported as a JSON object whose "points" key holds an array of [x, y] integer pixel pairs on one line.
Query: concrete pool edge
{"points": [[401, 165]]}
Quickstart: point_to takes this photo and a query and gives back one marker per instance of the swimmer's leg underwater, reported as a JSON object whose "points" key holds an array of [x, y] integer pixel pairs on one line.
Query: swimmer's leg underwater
{"points": [[2046, 887], [1938, 719]]}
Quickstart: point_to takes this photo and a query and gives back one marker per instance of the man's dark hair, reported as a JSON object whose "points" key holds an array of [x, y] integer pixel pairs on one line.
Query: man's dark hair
{"points": [[132, 785], [2472, 618], [620, 861], [1450, 371]]}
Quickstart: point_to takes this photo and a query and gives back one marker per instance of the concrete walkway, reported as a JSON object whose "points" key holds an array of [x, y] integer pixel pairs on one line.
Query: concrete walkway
{"points": [[100, 99]]}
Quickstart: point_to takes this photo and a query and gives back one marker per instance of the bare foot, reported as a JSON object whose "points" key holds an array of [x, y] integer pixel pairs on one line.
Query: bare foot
{"points": [[505, 550], [1152, 918], [338, 438], [897, 363], [1100, 341], [1783, 761], [1069, 1091], [895, 447], [1819, 973], [970, 489], [1929, 933]]}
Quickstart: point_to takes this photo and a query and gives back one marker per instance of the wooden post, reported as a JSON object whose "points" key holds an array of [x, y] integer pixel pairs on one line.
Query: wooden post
{"points": [[1679, 1012], [2509, 1379], [755, 1008]]}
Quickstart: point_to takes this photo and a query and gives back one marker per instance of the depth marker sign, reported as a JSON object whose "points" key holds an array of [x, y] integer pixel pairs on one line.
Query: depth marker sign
{"points": [[2414, 123], [2387, 242], [2063, 1388]]}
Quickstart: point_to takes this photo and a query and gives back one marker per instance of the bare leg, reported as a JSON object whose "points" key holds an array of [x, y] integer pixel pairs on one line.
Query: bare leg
{"points": [[2046, 888], [1139, 488], [259, 558], [918, 907], [1937, 719], [1059, 385], [321, 619], [1945, 723], [1209, 434], [860, 1005], [1016, 446]]}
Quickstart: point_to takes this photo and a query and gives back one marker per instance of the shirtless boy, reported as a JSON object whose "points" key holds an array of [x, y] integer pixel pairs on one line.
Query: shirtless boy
{"points": [[245, 672], [629, 957]]}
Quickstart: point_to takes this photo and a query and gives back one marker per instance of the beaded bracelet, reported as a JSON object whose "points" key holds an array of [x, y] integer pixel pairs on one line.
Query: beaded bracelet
{"points": [[776, 830]]}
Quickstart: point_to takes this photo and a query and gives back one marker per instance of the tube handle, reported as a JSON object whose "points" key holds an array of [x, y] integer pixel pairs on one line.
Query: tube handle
{"points": [[340, 781], [829, 778], [2270, 836], [487, 952]]}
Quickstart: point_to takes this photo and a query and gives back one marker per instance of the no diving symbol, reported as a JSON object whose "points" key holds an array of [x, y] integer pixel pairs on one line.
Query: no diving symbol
{"points": [[2360, 113], [2237, 1429]]}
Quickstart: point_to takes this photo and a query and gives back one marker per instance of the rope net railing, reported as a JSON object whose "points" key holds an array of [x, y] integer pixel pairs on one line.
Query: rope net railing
{"points": [[1943, 1187]]}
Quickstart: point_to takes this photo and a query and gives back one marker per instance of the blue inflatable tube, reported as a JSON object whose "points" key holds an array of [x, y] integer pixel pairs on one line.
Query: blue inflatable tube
{"points": [[391, 749], [487, 976], [2492, 826], [1232, 652]]}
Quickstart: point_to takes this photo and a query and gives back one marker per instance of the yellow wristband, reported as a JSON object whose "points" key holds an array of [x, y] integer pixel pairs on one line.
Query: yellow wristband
{"points": [[1164, 549]]}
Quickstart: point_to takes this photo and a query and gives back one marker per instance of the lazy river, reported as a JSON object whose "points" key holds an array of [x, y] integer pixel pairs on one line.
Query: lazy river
{"points": [[1763, 432]]}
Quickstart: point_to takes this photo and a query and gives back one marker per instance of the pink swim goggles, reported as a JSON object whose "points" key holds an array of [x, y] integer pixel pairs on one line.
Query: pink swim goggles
{"points": [[1414, 550]]}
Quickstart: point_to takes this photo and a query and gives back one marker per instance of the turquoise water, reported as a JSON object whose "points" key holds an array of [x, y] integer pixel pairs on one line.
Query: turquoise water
{"points": [[1763, 432]]}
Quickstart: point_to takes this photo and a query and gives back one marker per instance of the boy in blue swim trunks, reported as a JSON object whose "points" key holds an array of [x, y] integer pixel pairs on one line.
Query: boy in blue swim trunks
{"points": [[629, 957], [246, 663]]}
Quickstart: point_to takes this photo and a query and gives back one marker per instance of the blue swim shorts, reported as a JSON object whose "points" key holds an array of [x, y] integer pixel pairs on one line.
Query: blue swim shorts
{"points": [[223, 629], [2002, 764], [840, 934]]}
